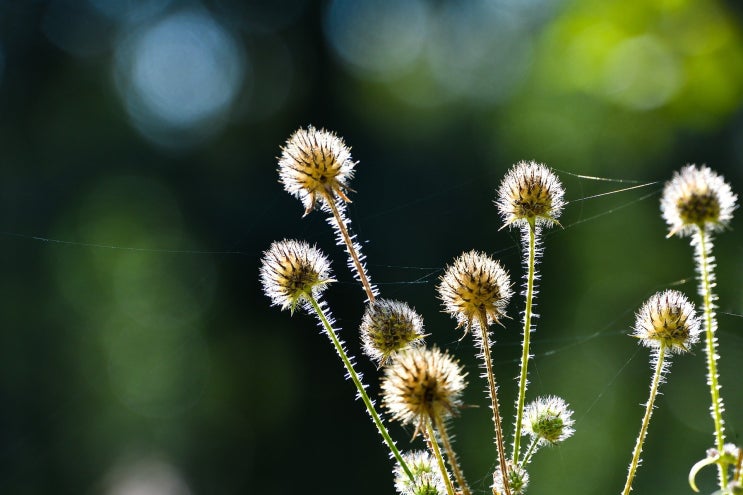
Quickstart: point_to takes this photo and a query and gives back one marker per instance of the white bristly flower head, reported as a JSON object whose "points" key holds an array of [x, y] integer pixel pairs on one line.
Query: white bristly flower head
{"points": [[530, 193], [293, 271], [667, 321], [518, 480], [389, 327], [427, 478], [315, 165], [422, 383], [475, 286], [549, 420], [697, 197]]}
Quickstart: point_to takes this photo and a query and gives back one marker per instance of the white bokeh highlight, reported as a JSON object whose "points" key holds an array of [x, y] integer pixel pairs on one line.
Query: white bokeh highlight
{"points": [[179, 77]]}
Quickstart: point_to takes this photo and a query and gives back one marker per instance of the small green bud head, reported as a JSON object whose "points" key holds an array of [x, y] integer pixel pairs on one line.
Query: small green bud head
{"points": [[427, 478], [315, 164], [388, 327], [667, 321], [518, 480], [293, 271], [530, 193], [548, 420], [475, 286], [422, 383], [697, 197]]}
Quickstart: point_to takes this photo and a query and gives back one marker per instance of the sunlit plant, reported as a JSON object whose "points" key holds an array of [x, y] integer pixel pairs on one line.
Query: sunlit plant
{"points": [[421, 385]]}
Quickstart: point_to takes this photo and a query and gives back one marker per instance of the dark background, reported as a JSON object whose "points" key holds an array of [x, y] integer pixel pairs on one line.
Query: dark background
{"points": [[138, 189]]}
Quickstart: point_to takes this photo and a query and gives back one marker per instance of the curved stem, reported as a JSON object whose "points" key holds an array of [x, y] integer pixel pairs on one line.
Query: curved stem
{"points": [[645, 421], [493, 389], [706, 277], [434, 446], [527, 331], [452, 456], [359, 386], [340, 221]]}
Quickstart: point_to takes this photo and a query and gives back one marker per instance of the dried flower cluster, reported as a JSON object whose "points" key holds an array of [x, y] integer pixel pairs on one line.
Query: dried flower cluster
{"points": [[422, 386]]}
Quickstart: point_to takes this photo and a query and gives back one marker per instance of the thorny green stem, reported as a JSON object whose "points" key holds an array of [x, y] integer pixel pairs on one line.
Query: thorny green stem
{"points": [[452, 456], [529, 452], [434, 446], [709, 325], [645, 421], [330, 200], [493, 389], [357, 381], [527, 330]]}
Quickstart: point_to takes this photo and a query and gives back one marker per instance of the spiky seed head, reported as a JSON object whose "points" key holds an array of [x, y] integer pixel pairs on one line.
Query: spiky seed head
{"points": [[530, 193], [315, 165], [293, 271], [427, 478], [422, 383], [667, 321], [518, 480], [388, 327], [548, 420], [697, 197], [475, 285]]}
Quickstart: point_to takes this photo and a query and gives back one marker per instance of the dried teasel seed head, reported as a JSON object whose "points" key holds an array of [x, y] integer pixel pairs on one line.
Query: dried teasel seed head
{"points": [[475, 285], [518, 480], [422, 383], [667, 321], [293, 271], [697, 197], [548, 420], [315, 165], [530, 194], [427, 478], [388, 327]]}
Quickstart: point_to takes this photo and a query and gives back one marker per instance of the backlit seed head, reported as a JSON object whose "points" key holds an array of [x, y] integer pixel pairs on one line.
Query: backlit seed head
{"points": [[548, 420], [697, 197], [427, 478], [518, 480], [475, 285], [530, 193], [388, 327], [315, 165], [422, 383], [667, 321], [293, 271]]}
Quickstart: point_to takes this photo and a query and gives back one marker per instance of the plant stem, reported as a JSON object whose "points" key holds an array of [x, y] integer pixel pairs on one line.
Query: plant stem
{"points": [[706, 277], [493, 389], [529, 452], [340, 221], [359, 386], [456, 469], [434, 446], [645, 421], [530, 276]]}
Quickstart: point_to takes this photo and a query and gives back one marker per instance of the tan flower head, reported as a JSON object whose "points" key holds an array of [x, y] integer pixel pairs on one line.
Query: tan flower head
{"points": [[667, 321], [697, 197], [422, 383], [315, 165], [530, 193], [388, 327], [475, 285], [292, 271]]}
